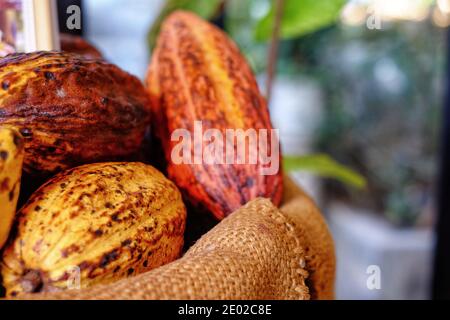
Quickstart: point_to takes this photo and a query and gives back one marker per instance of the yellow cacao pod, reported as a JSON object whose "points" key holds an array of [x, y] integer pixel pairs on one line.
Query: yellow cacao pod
{"points": [[11, 159], [94, 224]]}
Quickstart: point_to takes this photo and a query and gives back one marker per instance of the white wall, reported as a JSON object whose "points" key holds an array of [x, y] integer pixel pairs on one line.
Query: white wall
{"points": [[119, 29]]}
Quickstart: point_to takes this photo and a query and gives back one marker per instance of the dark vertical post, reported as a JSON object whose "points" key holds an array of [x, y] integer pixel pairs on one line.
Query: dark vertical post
{"points": [[441, 281], [219, 19]]}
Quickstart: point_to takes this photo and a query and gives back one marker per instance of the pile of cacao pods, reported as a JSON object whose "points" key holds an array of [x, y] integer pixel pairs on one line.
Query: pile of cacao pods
{"points": [[78, 158]]}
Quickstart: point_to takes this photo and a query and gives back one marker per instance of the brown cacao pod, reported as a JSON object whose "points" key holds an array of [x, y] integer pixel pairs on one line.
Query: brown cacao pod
{"points": [[198, 74], [76, 44], [69, 43], [71, 110]]}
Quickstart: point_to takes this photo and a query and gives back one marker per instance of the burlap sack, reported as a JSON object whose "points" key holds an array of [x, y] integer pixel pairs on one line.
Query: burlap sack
{"points": [[258, 252]]}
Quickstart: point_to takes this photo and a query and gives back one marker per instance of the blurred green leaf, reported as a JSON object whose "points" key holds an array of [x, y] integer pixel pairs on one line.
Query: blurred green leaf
{"points": [[204, 8], [300, 17], [324, 166]]}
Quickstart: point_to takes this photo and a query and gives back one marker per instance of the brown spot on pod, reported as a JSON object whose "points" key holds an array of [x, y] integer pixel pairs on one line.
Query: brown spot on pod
{"points": [[26, 132], [98, 233], [4, 185], [5, 85], [69, 250], [3, 155], [126, 243], [108, 258], [109, 205], [49, 75], [11, 195], [17, 139]]}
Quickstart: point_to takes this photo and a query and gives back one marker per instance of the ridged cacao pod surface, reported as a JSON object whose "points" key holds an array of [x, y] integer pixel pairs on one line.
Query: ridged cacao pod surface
{"points": [[96, 223], [71, 110], [11, 160], [198, 74]]}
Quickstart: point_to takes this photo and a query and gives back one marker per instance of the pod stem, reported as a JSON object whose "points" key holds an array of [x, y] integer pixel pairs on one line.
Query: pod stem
{"points": [[273, 49]]}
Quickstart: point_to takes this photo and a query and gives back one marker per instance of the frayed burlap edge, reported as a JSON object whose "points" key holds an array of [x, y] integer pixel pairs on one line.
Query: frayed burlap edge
{"points": [[258, 252]]}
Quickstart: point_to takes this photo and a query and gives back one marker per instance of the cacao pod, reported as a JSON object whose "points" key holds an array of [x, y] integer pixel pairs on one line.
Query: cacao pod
{"points": [[105, 221], [69, 43], [198, 74], [75, 44], [11, 160], [71, 110]]}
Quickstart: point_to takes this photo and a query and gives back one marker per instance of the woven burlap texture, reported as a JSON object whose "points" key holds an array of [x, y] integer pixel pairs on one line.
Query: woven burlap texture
{"points": [[258, 252]]}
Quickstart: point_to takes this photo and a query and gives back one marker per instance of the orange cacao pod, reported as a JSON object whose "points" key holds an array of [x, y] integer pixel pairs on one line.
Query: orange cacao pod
{"points": [[198, 74]]}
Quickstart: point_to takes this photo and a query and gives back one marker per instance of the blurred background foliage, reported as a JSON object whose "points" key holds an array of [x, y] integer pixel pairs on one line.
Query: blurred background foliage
{"points": [[299, 18], [379, 64]]}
